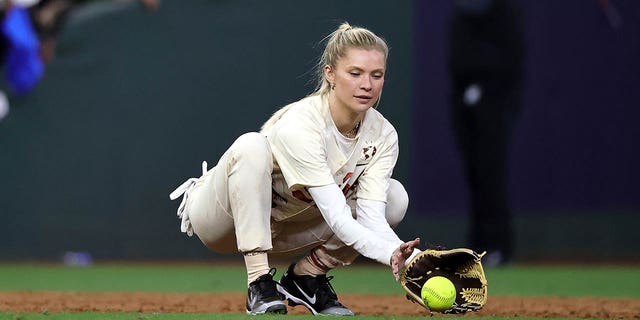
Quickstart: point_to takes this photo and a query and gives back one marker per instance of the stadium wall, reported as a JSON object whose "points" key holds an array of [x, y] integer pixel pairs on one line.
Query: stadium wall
{"points": [[135, 100]]}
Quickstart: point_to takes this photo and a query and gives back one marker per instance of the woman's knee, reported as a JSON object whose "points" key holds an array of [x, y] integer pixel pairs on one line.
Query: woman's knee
{"points": [[224, 244], [252, 148], [397, 203]]}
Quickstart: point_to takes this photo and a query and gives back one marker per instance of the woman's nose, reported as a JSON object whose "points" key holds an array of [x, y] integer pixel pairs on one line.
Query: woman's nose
{"points": [[366, 83]]}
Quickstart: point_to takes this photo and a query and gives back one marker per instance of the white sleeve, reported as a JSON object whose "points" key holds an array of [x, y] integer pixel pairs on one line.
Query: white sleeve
{"points": [[371, 214], [337, 214]]}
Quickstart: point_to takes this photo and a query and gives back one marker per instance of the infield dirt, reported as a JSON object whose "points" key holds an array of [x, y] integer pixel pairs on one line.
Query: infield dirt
{"points": [[557, 307]]}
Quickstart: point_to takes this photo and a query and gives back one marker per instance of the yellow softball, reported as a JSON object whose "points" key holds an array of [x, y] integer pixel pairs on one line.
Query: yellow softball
{"points": [[438, 293]]}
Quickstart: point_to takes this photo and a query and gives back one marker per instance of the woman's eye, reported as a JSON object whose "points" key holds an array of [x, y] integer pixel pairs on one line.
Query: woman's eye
{"points": [[355, 74]]}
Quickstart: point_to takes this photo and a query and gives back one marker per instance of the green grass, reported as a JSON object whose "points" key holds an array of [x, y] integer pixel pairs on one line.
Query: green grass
{"points": [[570, 281], [574, 281], [567, 281], [126, 278]]}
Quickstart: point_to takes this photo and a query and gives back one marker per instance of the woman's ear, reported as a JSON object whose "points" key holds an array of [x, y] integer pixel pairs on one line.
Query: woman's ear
{"points": [[329, 75]]}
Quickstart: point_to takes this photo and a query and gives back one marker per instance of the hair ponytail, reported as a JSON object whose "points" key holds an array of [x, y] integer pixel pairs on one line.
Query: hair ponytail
{"points": [[338, 42]]}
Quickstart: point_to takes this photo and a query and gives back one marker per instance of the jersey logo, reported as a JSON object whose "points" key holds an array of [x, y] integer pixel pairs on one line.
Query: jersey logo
{"points": [[368, 151]]}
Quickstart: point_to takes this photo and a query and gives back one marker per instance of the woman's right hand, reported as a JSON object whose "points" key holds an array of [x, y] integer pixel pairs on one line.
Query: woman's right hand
{"points": [[400, 255]]}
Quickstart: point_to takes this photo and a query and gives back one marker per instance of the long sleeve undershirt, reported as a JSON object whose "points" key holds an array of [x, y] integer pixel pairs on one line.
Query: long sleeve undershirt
{"points": [[372, 237]]}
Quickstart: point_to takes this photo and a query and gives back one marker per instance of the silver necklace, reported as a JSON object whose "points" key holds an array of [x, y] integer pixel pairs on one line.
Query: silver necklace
{"points": [[352, 133]]}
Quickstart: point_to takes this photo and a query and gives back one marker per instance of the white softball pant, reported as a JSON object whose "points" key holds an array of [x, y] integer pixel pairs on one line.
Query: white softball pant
{"points": [[229, 208]]}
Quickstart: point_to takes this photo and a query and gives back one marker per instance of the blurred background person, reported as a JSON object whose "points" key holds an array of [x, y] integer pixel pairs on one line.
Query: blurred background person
{"points": [[486, 68], [19, 51], [49, 17], [29, 34]]}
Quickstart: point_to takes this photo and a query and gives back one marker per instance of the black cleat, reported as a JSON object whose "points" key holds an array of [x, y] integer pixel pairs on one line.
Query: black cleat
{"points": [[315, 293], [263, 297]]}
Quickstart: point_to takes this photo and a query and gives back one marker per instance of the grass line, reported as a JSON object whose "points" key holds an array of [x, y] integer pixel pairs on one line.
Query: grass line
{"points": [[570, 281]]}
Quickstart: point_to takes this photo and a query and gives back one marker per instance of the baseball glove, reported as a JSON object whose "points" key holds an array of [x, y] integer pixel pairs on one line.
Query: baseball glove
{"points": [[462, 266]]}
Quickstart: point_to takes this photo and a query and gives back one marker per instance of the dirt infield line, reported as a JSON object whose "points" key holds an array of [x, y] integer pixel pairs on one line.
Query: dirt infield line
{"points": [[54, 302]]}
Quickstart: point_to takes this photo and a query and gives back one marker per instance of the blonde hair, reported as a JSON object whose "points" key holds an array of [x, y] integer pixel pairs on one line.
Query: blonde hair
{"points": [[337, 44]]}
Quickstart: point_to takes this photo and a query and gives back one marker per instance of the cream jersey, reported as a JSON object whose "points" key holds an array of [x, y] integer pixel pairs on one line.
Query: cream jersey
{"points": [[309, 151]]}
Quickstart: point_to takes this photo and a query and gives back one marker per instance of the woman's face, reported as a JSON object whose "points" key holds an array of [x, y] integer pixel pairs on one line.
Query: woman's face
{"points": [[358, 78]]}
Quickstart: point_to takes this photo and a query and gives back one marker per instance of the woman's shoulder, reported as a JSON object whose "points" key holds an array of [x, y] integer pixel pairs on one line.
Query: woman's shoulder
{"points": [[307, 108], [379, 123], [297, 112], [311, 103]]}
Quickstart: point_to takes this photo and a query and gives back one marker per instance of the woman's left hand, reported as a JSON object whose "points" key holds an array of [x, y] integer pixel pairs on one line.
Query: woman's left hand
{"points": [[401, 254]]}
